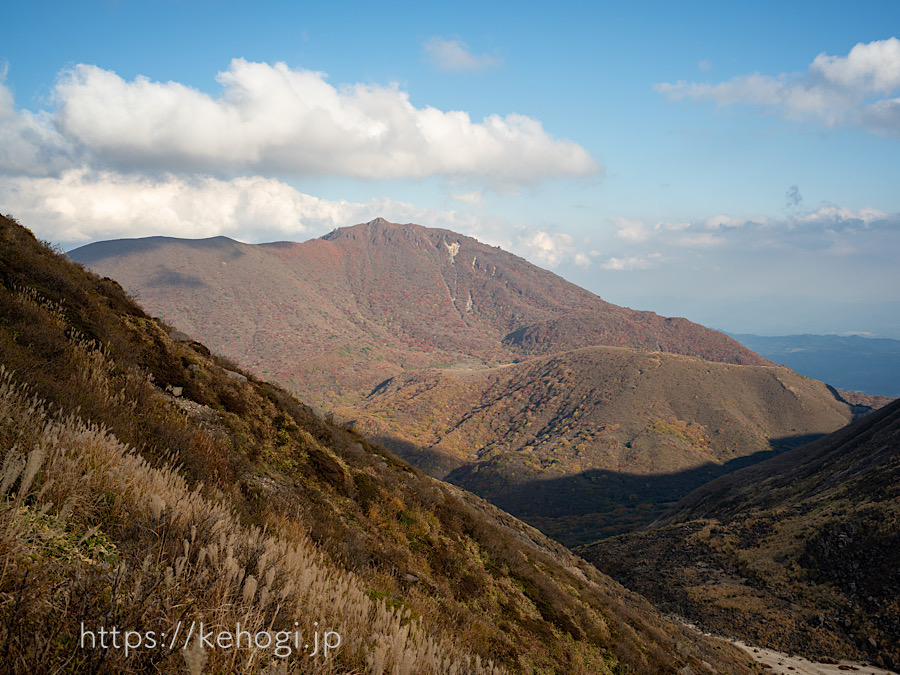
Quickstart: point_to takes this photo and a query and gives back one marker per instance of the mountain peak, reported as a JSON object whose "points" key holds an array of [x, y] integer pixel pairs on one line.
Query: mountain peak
{"points": [[376, 225], [393, 296]]}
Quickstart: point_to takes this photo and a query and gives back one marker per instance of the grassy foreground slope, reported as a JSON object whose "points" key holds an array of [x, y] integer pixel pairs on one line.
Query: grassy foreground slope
{"points": [[146, 482], [800, 553]]}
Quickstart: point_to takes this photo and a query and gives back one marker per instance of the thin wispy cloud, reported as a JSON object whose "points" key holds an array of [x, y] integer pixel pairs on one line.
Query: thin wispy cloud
{"points": [[859, 88], [828, 228], [793, 197], [473, 198], [455, 55], [637, 262]]}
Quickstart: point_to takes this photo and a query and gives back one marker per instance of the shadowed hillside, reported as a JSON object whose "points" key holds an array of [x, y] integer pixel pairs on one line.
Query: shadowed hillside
{"points": [[511, 432], [800, 553], [147, 482]]}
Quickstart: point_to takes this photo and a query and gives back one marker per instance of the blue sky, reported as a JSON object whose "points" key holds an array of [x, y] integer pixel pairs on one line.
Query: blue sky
{"points": [[734, 163]]}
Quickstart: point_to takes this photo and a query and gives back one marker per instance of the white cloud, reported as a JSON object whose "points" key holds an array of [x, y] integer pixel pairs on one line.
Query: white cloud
{"points": [[30, 143], [454, 55], [871, 67], [663, 226], [829, 228], [630, 230], [473, 198], [271, 118], [546, 248], [834, 89], [882, 116], [719, 220], [832, 215], [84, 205], [641, 262], [582, 259]]}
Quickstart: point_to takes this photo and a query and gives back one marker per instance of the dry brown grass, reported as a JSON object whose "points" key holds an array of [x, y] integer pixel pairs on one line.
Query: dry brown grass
{"points": [[235, 500], [81, 513]]}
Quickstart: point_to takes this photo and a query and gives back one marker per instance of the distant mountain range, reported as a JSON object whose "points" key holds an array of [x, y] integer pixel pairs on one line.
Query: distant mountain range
{"points": [[580, 416], [800, 553], [344, 312], [851, 362]]}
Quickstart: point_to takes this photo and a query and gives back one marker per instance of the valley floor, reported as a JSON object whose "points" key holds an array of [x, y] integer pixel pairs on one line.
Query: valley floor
{"points": [[782, 664], [779, 663]]}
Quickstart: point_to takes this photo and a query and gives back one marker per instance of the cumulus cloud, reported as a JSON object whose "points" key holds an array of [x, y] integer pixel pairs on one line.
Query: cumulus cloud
{"points": [[30, 143], [840, 217], [581, 259], [272, 118], [546, 248], [855, 88], [455, 55], [882, 116], [84, 205], [874, 67]]}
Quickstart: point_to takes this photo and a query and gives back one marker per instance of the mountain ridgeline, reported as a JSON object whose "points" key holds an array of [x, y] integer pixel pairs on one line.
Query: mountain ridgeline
{"points": [[148, 484], [342, 313], [584, 418], [598, 440]]}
